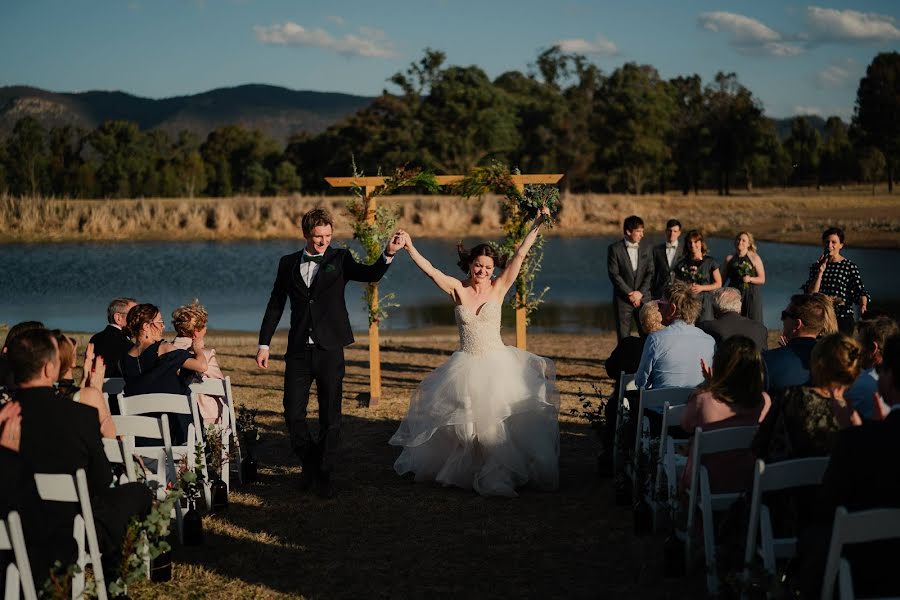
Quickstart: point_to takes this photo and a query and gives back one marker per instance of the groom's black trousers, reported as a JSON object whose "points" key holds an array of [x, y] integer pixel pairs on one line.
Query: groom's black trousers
{"points": [[326, 368]]}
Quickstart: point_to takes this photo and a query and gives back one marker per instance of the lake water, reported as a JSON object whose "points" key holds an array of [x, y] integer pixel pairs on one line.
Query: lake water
{"points": [[69, 285]]}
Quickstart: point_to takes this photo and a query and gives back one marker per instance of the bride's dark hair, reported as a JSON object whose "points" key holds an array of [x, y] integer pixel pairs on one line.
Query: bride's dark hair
{"points": [[467, 256]]}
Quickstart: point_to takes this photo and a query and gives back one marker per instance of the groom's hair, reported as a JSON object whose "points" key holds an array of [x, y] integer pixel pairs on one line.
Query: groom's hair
{"points": [[631, 223], [467, 256], [315, 218]]}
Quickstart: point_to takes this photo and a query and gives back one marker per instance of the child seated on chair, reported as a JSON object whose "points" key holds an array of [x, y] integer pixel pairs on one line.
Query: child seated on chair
{"points": [[190, 323]]}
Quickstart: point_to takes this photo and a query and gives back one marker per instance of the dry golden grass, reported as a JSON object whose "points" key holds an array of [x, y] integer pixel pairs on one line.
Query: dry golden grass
{"points": [[791, 216], [384, 536]]}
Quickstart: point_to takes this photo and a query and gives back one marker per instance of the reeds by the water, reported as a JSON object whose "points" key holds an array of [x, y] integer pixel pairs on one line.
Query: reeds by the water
{"points": [[786, 216]]}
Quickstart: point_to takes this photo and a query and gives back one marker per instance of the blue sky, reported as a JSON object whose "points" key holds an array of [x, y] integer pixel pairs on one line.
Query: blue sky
{"points": [[797, 58]]}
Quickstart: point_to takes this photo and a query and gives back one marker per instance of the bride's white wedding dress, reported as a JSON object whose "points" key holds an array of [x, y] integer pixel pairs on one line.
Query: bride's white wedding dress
{"points": [[487, 419]]}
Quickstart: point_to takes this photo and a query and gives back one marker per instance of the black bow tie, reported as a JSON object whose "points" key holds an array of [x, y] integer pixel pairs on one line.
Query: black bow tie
{"points": [[316, 259]]}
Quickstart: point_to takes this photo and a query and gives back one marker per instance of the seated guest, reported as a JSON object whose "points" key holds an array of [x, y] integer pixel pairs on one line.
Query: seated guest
{"points": [[728, 322], [6, 378], [112, 343], [67, 350], [806, 317], [871, 335], [804, 420], [671, 356], [863, 473], [625, 358], [190, 323], [154, 366], [60, 436], [732, 397]]}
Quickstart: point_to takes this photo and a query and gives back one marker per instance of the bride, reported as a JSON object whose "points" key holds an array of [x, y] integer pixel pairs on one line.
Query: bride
{"points": [[487, 419]]}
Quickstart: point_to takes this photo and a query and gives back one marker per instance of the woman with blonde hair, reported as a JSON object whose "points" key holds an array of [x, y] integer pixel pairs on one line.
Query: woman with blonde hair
{"points": [[744, 271], [805, 419], [190, 323]]}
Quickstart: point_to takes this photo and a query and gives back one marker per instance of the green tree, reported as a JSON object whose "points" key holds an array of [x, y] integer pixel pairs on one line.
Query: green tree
{"points": [[124, 161], [878, 107], [236, 159], [65, 161], [690, 136], [188, 165], [633, 118], [836, 161], [803, 148], [285, 179], [872, 165], [28, 158]]}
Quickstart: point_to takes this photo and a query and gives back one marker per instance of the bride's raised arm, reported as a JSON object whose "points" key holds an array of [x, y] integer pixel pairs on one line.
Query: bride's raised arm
{"points": [[509, 274], [448, 284]]}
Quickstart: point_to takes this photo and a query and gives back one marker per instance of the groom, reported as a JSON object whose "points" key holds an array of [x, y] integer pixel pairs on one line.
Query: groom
{"points": [[314, 280]]}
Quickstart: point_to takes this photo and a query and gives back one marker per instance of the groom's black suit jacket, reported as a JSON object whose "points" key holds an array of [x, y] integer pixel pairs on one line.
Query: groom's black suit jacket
{"points": [[623, 277], [318, 310]]}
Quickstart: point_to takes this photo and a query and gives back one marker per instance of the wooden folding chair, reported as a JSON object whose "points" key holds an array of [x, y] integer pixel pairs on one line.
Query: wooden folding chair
{"points": [[55, 487], [855, 528], [222, 387], [701, 497], [650, 400], [18, 573], [172, 404], [788, 474]]}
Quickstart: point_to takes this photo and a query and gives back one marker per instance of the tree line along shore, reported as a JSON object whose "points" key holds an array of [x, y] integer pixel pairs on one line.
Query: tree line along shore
{"points": [[776, 215]]}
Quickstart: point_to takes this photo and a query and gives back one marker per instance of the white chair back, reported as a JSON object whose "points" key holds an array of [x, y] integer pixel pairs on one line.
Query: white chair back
{"points": [[856, 528], [626, 384], [222, 388], [670, 464], [18, 574], [651, 399], [119, 452]]}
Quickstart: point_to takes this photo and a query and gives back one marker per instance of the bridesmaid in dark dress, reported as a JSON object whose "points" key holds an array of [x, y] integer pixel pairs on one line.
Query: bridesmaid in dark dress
{"points": [[154, 366], [744, 270], [700, 270]]}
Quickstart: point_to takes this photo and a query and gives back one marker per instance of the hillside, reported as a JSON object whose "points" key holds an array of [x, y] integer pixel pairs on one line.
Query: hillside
{"points": [[278, 111]]}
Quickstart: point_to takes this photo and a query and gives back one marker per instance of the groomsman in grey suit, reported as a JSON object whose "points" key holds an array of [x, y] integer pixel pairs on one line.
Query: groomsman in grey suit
{"points": [[630, 270], [665, 256]]}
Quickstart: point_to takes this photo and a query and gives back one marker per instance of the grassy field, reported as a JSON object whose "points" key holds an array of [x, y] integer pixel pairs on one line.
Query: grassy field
{"points": [[384, 536], [790, 216]]}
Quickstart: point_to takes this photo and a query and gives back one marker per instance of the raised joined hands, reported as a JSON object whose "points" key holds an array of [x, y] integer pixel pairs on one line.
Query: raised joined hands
{"points": [[11, 426]]}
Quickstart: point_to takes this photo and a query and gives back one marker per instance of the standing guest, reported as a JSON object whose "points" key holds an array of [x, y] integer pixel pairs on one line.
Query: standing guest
{"points": [[111, 344], [630, 270], [729, 322], [805, 420], [314, 279], [838, 277], [190, 323], [154, 366], [665, 256], [699, 270], [744, 270], [6, 376], [871, 335], [672, 356]]}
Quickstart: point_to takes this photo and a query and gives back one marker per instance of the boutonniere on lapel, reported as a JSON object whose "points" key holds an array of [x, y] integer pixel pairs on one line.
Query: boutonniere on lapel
{"points": [[330, 268]]}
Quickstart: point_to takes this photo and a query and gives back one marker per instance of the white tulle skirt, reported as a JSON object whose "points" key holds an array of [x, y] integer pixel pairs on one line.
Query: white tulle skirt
{"points": [[487, 422]]}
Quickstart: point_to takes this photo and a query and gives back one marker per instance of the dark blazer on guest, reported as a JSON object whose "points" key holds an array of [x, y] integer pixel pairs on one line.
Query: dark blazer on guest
{"points": [[318, 311], [662, 272], [111, 344], [731, 324], [789, 365]]}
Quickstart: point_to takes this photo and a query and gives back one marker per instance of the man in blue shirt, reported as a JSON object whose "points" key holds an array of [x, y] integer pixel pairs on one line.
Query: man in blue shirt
{"points": [[672, 356]]}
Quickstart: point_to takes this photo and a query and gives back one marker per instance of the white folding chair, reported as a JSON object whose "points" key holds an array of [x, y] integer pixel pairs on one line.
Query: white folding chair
{"points": [[855, 528], [788, 474], [222, 387], [650, 400], [701, 497], [172, 404], [18, 573], [63, 488], [670, 464], [626, 384], [157, 428], [120, 452]]}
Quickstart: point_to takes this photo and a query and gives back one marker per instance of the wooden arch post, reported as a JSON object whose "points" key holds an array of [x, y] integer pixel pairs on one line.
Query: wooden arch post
{"points": [[369, 185]]}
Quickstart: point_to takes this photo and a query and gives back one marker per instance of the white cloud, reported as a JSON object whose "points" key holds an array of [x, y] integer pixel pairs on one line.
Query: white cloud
{"points": [[806, 111], [291, 34], [339, 21], [837, 75], [599, 47], [747, 35], [831, 25]]}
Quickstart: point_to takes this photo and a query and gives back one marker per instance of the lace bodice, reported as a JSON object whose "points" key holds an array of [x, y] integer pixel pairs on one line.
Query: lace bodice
{"points": [[479, 331]]}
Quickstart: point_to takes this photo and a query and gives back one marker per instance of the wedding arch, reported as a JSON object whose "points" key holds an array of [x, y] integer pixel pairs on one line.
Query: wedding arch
{"points": [[372, 224]]}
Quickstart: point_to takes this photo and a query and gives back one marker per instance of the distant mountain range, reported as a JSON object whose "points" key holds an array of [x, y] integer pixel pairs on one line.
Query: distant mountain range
{"points": [[278, 111]]}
